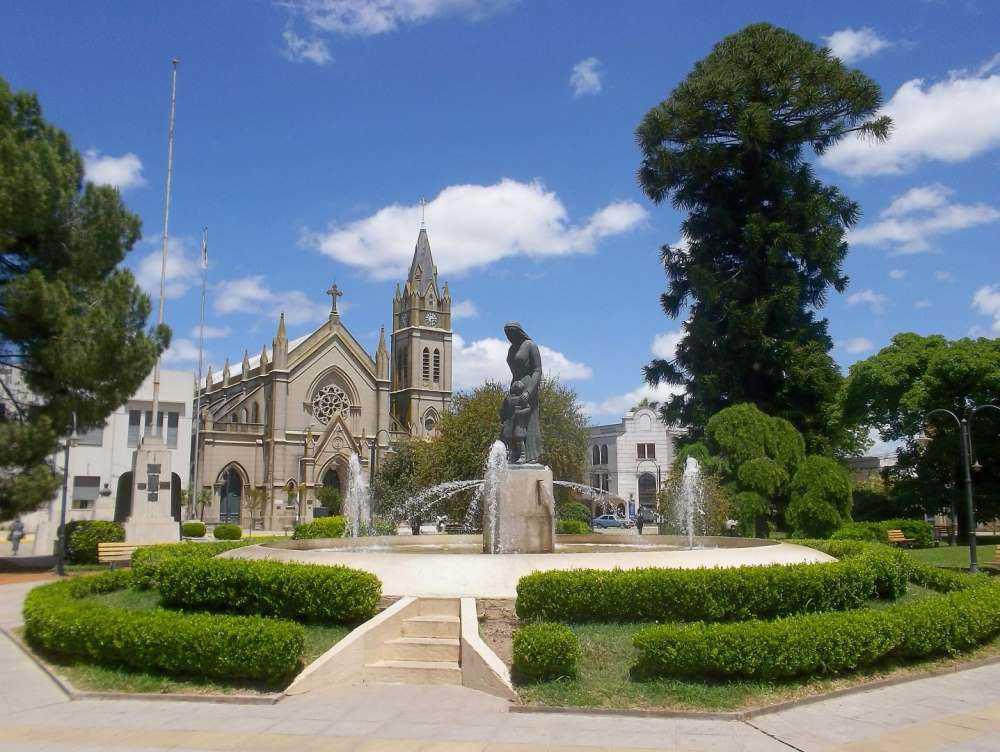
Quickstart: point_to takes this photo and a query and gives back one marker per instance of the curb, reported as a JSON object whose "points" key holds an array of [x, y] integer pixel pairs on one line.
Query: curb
{"points": [[745, 715], [72, 693]]}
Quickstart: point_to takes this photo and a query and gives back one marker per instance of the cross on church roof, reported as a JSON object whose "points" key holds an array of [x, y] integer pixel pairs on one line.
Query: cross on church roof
{"points": [[423, 211], [334, 292]]}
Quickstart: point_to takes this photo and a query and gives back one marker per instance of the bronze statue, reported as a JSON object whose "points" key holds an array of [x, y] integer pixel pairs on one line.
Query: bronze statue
{"points": [[521, 431]]}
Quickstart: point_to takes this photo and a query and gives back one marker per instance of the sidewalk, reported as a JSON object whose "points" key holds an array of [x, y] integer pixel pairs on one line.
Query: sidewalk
{"points": [[956, 712]]}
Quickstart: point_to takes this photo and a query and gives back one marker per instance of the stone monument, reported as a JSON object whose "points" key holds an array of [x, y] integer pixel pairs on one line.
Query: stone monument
{"points": [[525, 517], [151, 520]]}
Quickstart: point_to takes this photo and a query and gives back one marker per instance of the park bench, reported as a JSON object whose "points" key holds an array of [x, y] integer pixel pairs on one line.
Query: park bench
{"points": [[115, 553], [996, 557], [942, 532], [896, 538]]}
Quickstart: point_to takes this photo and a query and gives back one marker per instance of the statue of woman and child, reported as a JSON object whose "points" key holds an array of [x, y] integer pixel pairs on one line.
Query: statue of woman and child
{"points": [[520, 430]]}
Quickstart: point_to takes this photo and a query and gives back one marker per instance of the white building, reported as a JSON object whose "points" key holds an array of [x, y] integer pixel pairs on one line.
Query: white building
{"points": [[631, 460], [101, 456]]}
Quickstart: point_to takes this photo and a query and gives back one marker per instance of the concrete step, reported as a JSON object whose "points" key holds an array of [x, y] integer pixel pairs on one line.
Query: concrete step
{"points": [[432, 626], [422, 649], [414, 672], [439, 606]]}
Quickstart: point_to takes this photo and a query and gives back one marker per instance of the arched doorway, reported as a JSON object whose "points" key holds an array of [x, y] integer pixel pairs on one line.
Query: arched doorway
{"points": [[330, 494], [230, 494], [647, 490]]}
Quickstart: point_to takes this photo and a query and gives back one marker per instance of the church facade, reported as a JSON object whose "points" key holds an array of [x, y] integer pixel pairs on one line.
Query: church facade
{"points": [[274, 429]]}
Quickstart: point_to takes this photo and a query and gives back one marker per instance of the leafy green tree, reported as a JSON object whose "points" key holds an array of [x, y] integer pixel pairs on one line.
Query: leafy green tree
{"points": [[329, 498], [765, 239], [820, 498], [893, 391], [72, 321]]}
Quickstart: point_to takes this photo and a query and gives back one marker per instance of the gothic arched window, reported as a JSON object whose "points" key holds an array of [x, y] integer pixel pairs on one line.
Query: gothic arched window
{"points": [[329, 402], [437, 365], [604, 454], [597, 455], [427, 364]]}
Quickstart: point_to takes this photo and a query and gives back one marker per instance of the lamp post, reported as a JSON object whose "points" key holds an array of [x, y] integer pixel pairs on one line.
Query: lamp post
{"points": [[61, 548], [965, 441]]}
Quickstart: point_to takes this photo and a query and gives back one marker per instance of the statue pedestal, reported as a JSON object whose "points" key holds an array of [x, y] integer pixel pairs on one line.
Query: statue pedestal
{"points": [[525, 515], [151, 520]]}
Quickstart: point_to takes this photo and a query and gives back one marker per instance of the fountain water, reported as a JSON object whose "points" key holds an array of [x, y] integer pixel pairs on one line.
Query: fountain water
{"points": [[495, 486], [358, 504], [690, 500]]}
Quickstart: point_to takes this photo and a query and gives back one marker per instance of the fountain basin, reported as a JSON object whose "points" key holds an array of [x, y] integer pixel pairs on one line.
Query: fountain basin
{"points": [[427, 565]]}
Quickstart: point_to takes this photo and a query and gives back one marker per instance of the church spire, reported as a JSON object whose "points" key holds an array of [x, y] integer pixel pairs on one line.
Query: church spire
{"points": [[423, 273], [382, 357], [263, 359], [280, 349], [225, 373], [245, 366]]}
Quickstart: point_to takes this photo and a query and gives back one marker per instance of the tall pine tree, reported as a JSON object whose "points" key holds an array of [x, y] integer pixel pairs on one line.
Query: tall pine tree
{"points": [[72, 322], [764, 238]]}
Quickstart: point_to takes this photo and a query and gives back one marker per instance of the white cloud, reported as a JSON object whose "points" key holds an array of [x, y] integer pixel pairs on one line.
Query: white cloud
{"points": [[851, 45], [181, 351], [211, 332], [586, 77], [858, 345], [942, 276], [300, 50], [252, 295], [181, 272], [371, 17], [464, 309], [986, 301], [875, 301], [486, 359], [917, 215], [473, 226], [922, 303], [949, 121], [665, 344], [617, 405], [122, 172], [897, 273], [879, 447]]}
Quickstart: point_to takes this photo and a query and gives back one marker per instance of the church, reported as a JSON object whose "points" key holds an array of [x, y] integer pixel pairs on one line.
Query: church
{"points": [[287, 421]]}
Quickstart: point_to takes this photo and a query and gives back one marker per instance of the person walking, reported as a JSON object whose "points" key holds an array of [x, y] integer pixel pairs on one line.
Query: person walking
{"points": [[15, 534], [639, 521]]}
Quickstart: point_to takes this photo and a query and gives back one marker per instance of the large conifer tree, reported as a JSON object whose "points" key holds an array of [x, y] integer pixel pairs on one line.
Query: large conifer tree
{"points": [[764, 238]]}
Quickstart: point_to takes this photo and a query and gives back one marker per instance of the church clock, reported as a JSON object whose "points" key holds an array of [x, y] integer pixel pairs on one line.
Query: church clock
{"points": [[431, 319]]}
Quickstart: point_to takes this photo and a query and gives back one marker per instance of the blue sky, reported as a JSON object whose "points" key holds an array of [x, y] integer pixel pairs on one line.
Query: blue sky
{"points": [[308, 131]]}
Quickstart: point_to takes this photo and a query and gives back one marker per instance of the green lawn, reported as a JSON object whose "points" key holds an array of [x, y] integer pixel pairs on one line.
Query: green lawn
{"points": [[604, 680], [84, 676], [954, 556]]}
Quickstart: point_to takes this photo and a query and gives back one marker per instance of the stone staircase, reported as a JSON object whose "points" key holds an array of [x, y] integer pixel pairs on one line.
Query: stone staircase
{"points": [[427, 649]]}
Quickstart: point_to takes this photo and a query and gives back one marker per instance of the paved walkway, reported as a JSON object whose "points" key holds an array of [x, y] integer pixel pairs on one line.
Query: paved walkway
{"points": [[958, 712]]}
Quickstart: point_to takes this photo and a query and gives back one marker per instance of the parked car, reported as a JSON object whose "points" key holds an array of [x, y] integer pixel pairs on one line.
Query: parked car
{"points": [[610, 520]]}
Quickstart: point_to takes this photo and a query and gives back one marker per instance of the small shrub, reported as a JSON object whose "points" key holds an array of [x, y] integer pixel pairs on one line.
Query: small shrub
{"points": [[193, 529], [545, 651], [574, 510], [329, 498], [146, 560], [321, 527], [572, 527], [82, 537], [60, 621], [920, 532], [227, 532], [294, 591]]}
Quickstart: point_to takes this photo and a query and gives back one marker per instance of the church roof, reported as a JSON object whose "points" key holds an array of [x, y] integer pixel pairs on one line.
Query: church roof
{"points": [[422, 262]]}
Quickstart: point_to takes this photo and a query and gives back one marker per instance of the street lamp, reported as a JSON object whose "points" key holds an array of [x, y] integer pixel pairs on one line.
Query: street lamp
{"points": [[965, 440], [61, 548]]}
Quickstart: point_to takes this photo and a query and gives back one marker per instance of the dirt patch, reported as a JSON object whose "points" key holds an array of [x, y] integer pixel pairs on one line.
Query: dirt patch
{"points": [[497, 622], [10, 578]]}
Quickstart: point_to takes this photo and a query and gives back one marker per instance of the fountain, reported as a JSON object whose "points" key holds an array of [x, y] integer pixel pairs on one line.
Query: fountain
{"points": [[358, 504], [690, 501]]}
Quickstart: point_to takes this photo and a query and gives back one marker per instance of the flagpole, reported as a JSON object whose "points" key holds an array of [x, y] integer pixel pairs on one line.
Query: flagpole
{"points": [[195, 486], [163, 250]]}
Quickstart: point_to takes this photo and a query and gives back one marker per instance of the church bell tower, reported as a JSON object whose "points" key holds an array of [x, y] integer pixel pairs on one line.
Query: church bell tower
{"points": [[421, 345]]}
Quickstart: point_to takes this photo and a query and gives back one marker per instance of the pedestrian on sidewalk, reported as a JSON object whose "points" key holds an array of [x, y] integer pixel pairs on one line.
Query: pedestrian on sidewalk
{"points": [[15, 534], [639, 521]]}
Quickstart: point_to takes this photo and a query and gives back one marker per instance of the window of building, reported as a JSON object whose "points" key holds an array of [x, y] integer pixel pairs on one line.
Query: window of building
{"points": [[595, 480], [606, 482], [91, 437], [596, 456], [429, 422], [85, 488], [173, 421], [646, 451], [604, 454], [134, 428], [427, 364], [437, 366]]}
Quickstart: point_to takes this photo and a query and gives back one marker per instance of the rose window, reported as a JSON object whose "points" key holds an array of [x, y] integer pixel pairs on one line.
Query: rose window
{"points": [[329, 402]]}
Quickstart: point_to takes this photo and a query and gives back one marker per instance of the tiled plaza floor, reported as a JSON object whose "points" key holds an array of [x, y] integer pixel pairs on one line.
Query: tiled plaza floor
{"points": [[958, 712]]}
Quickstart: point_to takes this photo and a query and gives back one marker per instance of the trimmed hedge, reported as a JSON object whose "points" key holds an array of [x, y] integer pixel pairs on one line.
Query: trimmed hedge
{"points": [[227, 531], [729, 594], [572, 527], [146, 560], [82, 537], [545, 651], [920, 532], [193, 529], [824, 643], [306, 592], [58, 621], [321, 527]]}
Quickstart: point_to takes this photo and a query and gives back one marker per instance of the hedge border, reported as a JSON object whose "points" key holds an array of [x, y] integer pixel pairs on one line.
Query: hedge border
{"points": [[59, 620], [146, 560]]}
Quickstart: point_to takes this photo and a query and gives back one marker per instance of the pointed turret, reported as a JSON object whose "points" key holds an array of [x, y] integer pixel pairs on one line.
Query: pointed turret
{"points": [[423, 273], [382, 357], [245, 372], [208, 378], [225, 373], [281, 345], [263, 359]]}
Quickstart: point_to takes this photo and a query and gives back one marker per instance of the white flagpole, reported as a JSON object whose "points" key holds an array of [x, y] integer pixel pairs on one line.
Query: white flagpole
{"points": [[163, 251], [195, 486]]}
